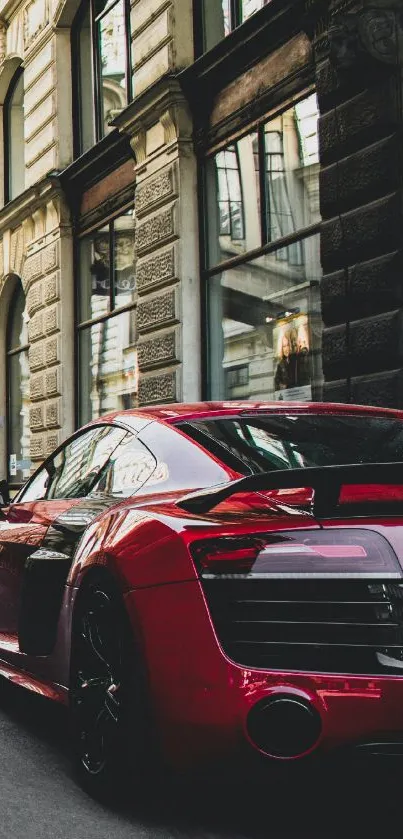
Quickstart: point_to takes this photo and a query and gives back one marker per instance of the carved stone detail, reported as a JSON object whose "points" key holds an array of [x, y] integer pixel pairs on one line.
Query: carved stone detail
{"points": [[36, 355], [17, 251], [156, 311], [156, 270], [37, 390], [32, 269], [1, 258], [36, 17], [52, 351], [155, 230], [52, 442], [52, 288], [157, 389], [3, 41], [154, 191], [52, 319], [52, 382], [374, 31], [36, 418], [37, 446], [53, 414], [50, 258], [35, 327], [157, 351], [34, 298]]}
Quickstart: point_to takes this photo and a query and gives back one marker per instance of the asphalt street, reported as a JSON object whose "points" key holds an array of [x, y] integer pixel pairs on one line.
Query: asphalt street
{"points": [[40, 798]]}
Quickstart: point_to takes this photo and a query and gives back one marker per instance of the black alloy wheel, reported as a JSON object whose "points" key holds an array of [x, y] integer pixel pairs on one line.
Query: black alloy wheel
{"points": [[108, 705]]}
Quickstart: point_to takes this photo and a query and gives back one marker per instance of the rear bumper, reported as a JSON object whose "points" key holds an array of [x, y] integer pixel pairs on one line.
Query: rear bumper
{"points": [[203, 703]]}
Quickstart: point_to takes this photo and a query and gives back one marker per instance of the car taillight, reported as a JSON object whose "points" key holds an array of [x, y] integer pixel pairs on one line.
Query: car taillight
{"points": [[330, 552]]}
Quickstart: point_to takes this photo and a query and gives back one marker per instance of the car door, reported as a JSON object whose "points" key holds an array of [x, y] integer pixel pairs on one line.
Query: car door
{"points": [[55, 489]]}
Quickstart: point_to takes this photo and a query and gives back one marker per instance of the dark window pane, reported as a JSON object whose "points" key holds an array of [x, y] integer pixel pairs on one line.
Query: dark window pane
{"points": [[124, 275], [108, 366], [15, 140], [86, 83], [249, 7], [76, 466], [130, 465], [18, 414], [94, 274], [264, 317], [216, 21], [113, 62]]}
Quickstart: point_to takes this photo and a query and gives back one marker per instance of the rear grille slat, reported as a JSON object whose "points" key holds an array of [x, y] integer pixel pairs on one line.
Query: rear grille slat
{"points": [[315, 626]]}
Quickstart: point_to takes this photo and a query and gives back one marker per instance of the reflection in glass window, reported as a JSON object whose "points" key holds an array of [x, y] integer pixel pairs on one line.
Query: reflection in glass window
{"points": [[229, 194], [19, 460], [220, 17], [75, 468], [108, 366], [265, 328], [100, 50]]}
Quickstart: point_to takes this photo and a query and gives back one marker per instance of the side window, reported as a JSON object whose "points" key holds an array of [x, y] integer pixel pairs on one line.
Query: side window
{"points": [[36, 489], [130, 465], [76, 467]]}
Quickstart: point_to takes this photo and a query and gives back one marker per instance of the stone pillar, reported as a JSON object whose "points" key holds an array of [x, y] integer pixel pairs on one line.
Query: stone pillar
{"points": [[358, 66]]}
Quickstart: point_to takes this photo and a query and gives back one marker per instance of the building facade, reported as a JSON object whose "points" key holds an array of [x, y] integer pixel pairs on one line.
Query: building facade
{"points": [[198, 200]]}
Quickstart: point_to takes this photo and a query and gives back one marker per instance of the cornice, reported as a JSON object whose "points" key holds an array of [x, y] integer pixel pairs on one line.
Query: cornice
{"points": [[13, 213]]}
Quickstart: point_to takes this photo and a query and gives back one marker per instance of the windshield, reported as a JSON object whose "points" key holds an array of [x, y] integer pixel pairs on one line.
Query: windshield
{"points": [[252, 444]]}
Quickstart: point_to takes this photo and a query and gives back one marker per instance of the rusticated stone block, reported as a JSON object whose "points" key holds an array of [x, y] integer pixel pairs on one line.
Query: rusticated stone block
{"points": [[37, 389], [35, 327], [157, 389], [334, 351], [52, 288], [361, 177], [52, 382], [376, 343], [51, 319], [53, 414], [384, 389], [361, 234], [333, 292], [361, 120], [376, 285], [50, 259], [36, 355], [156, 311], [155, 270], [52, 442], [336, 391], [37, 447], [155, 230], [32, 268], [52, 351], [17, 251], [35, 298], [157, 189], [159, 350], [36, 418]]}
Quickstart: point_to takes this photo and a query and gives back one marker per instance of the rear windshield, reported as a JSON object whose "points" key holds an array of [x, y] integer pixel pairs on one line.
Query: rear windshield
{"points": [[251, 444]]}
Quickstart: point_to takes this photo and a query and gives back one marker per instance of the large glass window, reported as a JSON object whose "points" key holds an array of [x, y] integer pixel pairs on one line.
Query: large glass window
{"points": [[13, 121], [107, 319], [101, 58], [19, 461], [220, 17], [263, 261]]}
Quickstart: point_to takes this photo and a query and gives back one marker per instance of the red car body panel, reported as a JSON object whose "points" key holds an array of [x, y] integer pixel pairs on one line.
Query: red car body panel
{"points": [[201, 698]]}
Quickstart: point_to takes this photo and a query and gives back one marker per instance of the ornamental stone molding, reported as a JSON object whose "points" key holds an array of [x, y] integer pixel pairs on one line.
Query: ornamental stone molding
{"points": [[35, 297], [52, 288], [156, 270], [157, 389], [3, 41], [159, 350], [37, 446], [157, 311], [36, 18], [155, 230], [154, 191], [375, 31]]}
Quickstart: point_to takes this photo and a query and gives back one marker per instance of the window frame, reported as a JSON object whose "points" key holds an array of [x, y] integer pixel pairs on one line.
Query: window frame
{"points": [[267, 247], [235, 21], [6, 134], [97, 99], [11, 352], [85, 324]]}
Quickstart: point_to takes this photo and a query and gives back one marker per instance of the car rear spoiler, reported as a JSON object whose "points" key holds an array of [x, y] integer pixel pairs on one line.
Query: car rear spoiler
{"points": [[326, 481]]}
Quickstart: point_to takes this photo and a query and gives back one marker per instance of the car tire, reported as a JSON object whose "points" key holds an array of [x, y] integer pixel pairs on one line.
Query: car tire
{"points": [[109, 710]]}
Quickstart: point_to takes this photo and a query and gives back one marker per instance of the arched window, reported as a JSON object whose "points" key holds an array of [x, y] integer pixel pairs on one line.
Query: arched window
{"points": [[19, 463], [101, 67], [14, 168]]}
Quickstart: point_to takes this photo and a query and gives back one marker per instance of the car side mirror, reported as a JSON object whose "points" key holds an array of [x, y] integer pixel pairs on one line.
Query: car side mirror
{"points": [[4, 494]]}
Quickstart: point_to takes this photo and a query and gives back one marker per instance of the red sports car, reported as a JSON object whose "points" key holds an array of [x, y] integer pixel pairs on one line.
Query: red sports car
{"points": [[212, 582]]}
